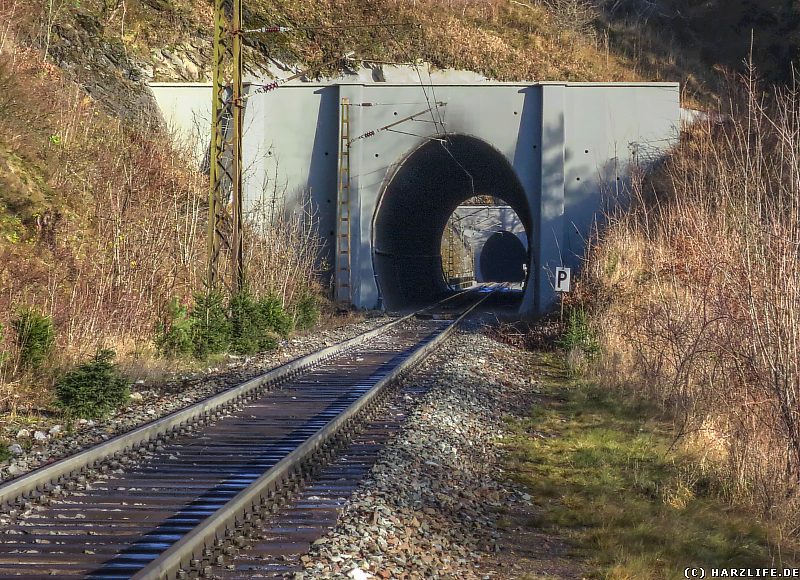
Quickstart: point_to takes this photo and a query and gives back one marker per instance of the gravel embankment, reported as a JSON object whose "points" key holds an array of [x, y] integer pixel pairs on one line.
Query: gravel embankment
{"points": [[36, 443], [431, 505]]}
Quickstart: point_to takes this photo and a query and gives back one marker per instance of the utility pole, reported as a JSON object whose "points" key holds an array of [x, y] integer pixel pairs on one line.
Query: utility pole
{"points": [[225, 220]]}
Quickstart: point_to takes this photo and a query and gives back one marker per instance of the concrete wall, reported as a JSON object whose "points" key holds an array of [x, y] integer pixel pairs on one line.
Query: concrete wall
{"points": [[570, 145]]}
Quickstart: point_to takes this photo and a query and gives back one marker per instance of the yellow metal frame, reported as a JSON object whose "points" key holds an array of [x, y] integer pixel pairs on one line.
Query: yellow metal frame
{"points": [[225, 214], [342, 275]]}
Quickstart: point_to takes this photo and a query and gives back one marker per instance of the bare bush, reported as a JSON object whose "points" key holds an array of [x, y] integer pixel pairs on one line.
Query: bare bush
{"points": [[106, 225], [700, 287], [575, 15], [283, 248]]}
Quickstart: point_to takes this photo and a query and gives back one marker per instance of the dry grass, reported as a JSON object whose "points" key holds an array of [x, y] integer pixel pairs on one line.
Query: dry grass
{"points": [[102, 221], [698, 296], [604, 477], [503, 39], [284, 246]]}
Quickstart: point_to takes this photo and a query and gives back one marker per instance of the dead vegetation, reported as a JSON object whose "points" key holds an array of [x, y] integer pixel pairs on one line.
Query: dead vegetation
{"points": [[102, 224], [102, 217], [696, 293]]}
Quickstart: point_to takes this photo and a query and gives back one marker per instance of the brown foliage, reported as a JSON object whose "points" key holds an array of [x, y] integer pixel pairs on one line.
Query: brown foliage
{"points": [[698, 294]]}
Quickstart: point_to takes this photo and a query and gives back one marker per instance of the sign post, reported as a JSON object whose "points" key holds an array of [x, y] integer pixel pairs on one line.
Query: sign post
{"points": [[562, 286], [563, 279]]}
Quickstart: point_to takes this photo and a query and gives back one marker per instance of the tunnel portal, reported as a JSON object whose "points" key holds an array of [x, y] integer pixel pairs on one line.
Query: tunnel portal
{"points": [[417, 202]]}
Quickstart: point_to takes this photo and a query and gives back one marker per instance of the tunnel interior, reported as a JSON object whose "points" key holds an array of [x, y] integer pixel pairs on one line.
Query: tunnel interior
{"points": [[503, 258], [418, 201]]}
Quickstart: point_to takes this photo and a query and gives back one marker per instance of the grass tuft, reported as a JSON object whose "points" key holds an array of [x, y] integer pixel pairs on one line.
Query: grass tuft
{"points": [[35, 337]]}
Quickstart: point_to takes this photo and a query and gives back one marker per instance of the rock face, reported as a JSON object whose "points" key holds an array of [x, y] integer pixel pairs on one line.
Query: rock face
{"points": [[115, 72], [431, 505], [101, 64], [186, 62]]}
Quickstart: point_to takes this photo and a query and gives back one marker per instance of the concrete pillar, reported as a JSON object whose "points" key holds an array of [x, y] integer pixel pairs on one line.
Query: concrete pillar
{"points": [[363, 284], [551, 207]]}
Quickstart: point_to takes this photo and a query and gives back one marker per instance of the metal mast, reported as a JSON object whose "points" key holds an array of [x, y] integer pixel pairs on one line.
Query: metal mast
{"points": [[225, 168]]}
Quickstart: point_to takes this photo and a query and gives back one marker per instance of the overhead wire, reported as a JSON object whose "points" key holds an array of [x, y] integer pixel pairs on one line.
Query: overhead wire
{"points": [[368, 104], [433, 92], [434, 107], [443, 142], [413, 134], [271, 86], [388, 127], [284, 29], [427, 99]]}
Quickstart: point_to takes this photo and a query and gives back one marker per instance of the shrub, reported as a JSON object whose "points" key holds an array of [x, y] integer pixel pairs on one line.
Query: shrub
{"points": [[256, 325], [93, 388], [210, 328], [174, 331], [276, 319], [307, 310], [35, 337], [578, 335], [247, 324], [701, 315]]}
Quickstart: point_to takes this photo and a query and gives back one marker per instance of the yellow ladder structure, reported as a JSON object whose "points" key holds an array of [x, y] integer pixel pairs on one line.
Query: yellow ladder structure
{"points": [[343, 256]]}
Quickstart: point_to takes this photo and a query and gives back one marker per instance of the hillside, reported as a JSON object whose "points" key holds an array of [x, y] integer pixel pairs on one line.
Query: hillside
{"points": [[717, 33], [112, 46], [102, 214]]}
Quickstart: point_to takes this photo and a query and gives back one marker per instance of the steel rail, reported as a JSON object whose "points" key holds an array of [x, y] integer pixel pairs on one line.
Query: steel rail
{"points": [[219, 526], [35, 481]]}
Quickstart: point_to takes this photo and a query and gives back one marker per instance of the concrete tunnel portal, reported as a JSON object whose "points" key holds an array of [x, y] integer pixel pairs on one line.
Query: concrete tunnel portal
{"points": [[416, 204], [567, 144]]}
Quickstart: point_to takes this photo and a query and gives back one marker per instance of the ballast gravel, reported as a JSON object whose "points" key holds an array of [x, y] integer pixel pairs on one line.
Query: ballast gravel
{"points": [[432, 504], [45, 441]]}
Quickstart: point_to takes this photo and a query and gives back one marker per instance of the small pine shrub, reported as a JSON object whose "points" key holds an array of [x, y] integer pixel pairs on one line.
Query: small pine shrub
{"points": [[307, 310], [247, 325], [268, 341], [578, 335], [35, 337], [275, 318], [92, 389], [174, 332], [211, 329]]}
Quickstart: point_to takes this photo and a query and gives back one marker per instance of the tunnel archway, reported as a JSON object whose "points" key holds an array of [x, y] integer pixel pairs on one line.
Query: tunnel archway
{"points": [[417, 202]]}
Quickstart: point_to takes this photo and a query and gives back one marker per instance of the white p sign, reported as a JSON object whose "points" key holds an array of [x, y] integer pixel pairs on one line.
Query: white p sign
{"points": [[563, 279]]}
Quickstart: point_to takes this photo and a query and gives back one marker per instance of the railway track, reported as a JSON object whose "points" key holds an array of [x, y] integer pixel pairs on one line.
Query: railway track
{"points": [[176, 496]]}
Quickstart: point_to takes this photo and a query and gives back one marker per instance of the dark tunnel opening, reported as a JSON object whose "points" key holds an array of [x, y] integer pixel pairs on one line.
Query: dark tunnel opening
{"points": [[503, 258], [418, 201]]}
